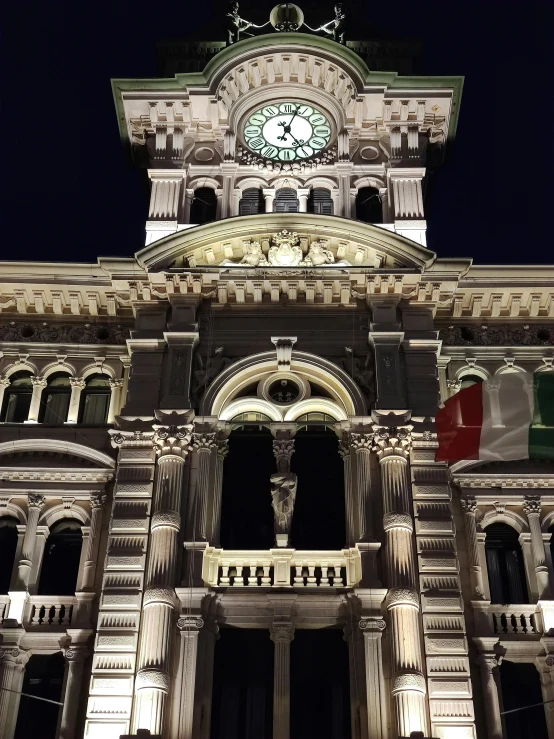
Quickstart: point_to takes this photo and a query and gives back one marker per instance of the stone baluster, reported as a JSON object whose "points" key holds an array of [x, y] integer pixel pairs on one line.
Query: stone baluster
{"points": [[35, 503], [469, 507], [215, 526], [490, 680], [532, 509], [282, 636], [75, 656], [154, 658], [39, 383], [203, 444], [362, 444], [78, 384], [116, 387], [408, 682], [372, 629], [91, 556], [4, 385], [345, 453], [189, 627], [12, 670]]}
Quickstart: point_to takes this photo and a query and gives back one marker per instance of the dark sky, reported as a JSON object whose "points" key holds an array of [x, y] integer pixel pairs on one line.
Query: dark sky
{"points": [[68, 193]]}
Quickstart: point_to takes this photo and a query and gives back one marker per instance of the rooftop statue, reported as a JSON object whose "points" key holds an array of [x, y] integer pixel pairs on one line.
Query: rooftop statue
{"points": [[337, 27], [236, 26]]}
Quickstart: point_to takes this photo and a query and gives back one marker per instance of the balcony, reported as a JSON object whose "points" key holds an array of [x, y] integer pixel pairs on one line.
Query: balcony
{"points": [[281, 568], [47, 612], [512, 622]]}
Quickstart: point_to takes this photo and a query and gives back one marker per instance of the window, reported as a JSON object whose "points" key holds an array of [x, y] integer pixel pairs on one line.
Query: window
{"points": [[251, 202], [55, 400], [44, 678], [17, 398], [469, 380], [8, 545], [285, 201], [320, 202], [505, 565], [60, 565], [368, 205], [95, 400], [521, 687], [204, 206]]}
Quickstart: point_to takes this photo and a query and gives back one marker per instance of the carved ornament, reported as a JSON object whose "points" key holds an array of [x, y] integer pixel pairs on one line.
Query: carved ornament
{"points": [[67, 333], [282, 633], [190, 623], [97, 501], [392, 441], [526, 335], [159, 595], [372, 624], [409, 681], [532, 506], [35, 501], [152, 679], [402, 596], [397, 520], [173, 439]]}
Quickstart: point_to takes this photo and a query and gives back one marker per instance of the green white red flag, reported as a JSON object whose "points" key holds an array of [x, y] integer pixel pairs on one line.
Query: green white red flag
{"points": [[508, 417]]}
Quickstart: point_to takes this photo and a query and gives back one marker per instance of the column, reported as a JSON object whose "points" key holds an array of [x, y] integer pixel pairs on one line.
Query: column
{"points": [[39, 383], [362, 445], [203, 444], [469, 506], [372, 629], [12, 670], [303, 194], [75, 657], [116, 387], [269, 196], [77, 385], [545, 666], [532, 509], [345, 453], [281, 636], [89, 570], [189, 627], [207, 638], [35, 504], [490, 679], [408, 682], [215, 525], [356, 670], [4, 384], [154, 658]]}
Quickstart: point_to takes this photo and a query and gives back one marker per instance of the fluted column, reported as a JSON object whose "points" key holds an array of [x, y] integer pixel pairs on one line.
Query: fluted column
{"points": [[203, 444], [115, 399], [408, 681], [78, 384], [281, 636], [490, 679], [345, 453], [362, 444], [89, 570], [35, 503], [12, 670], [532, 509], [75, 657], [469, 507], [39, 383], [189, 627], [372, 629], [215, 528], [154, 658]]}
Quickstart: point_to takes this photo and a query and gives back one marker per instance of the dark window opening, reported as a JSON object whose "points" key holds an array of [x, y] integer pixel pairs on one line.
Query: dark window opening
{"points": [[505, 565], [43, 677], [252, 202], [62, 554], [8, 546], [55, 399], [469, 380], [95, 400], [204, 206], [520, 685], [242, 704], [285, 201], [17, 398], [320, 202], [368, 205], [319, 677]]}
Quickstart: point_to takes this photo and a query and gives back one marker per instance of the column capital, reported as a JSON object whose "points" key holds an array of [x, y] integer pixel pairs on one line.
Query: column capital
{"points": [[4, 381], [14, 655], [38, 381], [76, 653], [222, 448], [173, 439], [361, 441], [135, 438], [115, 384], [190, 623], [204, 441], [281, 633], [97, 501], [35, 501], [283, 449], [489, 662], [532, 505], [372, 625], [392, 441], [468, 504], [79, 383], [454, 385]]}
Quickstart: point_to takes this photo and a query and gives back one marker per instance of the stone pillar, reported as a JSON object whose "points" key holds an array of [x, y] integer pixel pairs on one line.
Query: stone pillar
{"points": [[89, 570], [545, 666], [189, 627], [269, 196], [155, 648], [408, 682], [490, 679], [303, 194], [362, 445], [469, 506], [345, 453], [116, 387], [4, 385], [77, 385], [207, 638], [356, 670], [372, 629], [281, 636], [203, 445], [75, 657], [35, 503], [215, 524], [12, 670], [39, 383], [532, 509]]}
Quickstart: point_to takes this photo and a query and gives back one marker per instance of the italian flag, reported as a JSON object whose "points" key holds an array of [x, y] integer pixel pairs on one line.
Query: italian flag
{"points": [[510, 416]]}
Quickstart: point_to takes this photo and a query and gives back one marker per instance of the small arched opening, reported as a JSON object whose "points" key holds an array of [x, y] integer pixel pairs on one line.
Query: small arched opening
{"points": [[8, 546], [17, 398], [95, 400], [368, 205], [252, 202], [62, 554], [505, 565], [320, 201], [203, 208], [286, 201], [44, 678], [55, 399]]}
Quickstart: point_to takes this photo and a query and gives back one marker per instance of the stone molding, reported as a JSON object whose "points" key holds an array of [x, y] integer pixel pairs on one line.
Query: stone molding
{"points": [[409, 681], [166, 596], [149, 678], [397, 520], [402, 597]]}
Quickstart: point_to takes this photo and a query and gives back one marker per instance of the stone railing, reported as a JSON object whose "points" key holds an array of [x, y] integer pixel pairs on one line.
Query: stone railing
{"points": [[281, 568], [508, 621], [49, 611]]}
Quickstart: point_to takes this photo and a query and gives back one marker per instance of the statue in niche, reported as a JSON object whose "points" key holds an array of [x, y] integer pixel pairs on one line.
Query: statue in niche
{"points": [[283, 495], [337, 27], [205, 374], [362, 374]]}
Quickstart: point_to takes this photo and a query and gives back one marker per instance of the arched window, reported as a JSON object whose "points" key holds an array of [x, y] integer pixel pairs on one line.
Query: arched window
{"points": [[320, 201], [55, 400], [8, 545], [505, 565], [469, 380], [251, 202], [17, 398], [60, 565], [95, 400], [204, 206], [368, 205], [44, 678], [285, 201]]}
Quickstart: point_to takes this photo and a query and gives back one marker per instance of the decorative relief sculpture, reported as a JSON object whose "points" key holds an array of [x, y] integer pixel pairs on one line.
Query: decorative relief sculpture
{"points": [[253, 256], [88, 333], [207, 370], [318, 255], [283, 496], [285, 252], [362, 374], [525, 335]]}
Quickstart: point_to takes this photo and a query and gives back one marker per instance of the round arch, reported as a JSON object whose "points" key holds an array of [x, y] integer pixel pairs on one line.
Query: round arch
{"points": [[203, 182], [510, 518], [315, 405], [292, 182], [325, 182], [251, 182], [376, 182], [61, 447], [51, 516], [250, 405], [94, 369], [21, 367], [13, 511], [510, 369], [467, 370], [62, 367]]}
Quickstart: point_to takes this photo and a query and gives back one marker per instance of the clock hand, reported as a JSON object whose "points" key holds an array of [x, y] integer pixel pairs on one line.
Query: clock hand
{"points": [[286, 129]]}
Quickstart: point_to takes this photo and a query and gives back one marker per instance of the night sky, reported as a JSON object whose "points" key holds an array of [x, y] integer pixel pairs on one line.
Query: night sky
{"points": [[68, 193]]}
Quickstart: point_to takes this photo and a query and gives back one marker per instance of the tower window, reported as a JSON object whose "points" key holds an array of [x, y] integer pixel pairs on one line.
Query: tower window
{"points": [[204, 206], [17, 398], [95, 400], [251, 202], [55, 400], [368, 205], [320, 202], [286, 201]]}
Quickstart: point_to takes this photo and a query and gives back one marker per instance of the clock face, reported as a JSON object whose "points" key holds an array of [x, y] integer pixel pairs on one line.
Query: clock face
{"points": [[287, 131]]}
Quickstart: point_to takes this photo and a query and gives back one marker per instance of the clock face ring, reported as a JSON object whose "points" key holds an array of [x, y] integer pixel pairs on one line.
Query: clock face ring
{"points": [[287, 131]]}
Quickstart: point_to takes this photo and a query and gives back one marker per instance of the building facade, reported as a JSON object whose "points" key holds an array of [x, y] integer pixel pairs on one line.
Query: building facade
{"points": [[220, 514]]}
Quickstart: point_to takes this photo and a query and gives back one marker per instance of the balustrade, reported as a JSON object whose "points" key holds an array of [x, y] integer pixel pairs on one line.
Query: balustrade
{"points": [[43, 611], [516, 620]]}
